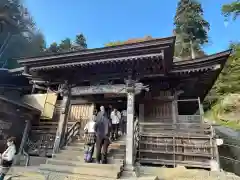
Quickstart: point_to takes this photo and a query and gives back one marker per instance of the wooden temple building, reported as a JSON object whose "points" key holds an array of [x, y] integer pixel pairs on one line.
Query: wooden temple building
{"points": [[163, 99]]}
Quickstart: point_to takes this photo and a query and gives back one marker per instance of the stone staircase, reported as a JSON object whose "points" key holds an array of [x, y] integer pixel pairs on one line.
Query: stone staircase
{"points": [[69, 164]]}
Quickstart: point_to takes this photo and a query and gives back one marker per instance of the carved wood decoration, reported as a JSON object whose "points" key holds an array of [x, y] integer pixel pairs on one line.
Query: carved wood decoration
{"points": [[82, 113]]}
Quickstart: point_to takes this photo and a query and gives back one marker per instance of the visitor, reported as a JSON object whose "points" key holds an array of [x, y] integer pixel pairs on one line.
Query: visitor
{"points": [[90, 138], [115, 117], [102, 130], [7, 157], [124, 122], [109, 111]]}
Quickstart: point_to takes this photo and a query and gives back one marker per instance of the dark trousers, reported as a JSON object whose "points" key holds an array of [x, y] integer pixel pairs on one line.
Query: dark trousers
{"points": [[102, 149], [115, 128], [124, 127], [5, 167]]}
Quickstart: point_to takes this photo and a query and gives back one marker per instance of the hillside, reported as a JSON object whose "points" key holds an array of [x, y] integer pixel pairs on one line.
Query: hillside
{"points": [[224, 107]]}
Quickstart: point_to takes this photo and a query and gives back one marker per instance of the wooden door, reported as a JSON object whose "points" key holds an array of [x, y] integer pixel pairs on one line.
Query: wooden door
{"points": [[158, 111], [81, 112]]}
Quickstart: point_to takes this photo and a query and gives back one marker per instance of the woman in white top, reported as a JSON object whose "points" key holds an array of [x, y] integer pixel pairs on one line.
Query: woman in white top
{"points": [[90, 138], [115, 117], [8, 156]]}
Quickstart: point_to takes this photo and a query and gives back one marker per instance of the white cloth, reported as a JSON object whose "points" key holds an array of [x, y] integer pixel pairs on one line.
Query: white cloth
{"points": [[9, 154], [115, 117], [89, 127]]}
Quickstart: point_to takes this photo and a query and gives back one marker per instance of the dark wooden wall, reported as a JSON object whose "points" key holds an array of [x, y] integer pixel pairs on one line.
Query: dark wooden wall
{"points": [[12, 122]]}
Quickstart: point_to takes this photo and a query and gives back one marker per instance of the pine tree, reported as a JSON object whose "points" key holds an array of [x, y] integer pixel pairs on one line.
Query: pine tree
{"points": [[53, 48], [81, 41], [18, 25], [231, 9], [190, 29], [65, 45]]}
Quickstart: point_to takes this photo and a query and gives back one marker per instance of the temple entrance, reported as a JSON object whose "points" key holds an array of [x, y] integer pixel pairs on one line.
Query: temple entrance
{"points": [[82, 107]]}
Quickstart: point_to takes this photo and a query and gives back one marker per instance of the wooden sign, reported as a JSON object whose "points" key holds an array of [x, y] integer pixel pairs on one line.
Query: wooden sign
{"points": [[103, 89]]}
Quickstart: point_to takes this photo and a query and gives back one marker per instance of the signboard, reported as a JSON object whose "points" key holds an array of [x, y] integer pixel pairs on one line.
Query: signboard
{"points": [[104, 89], [99, 89]]}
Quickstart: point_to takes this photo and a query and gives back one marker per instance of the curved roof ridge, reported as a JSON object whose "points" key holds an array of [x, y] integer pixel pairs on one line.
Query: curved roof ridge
{"points": [[166, 40]]}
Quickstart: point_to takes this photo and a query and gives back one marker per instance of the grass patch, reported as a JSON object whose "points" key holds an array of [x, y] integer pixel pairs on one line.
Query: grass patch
{"points": [[211, 115]]}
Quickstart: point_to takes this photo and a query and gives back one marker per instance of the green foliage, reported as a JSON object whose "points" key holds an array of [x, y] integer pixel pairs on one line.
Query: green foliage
{"points": [[228, 81], [80, 41], [25, 39], [190, 29], [232, 9], [116, 43], [65, 45], [53, 48]]}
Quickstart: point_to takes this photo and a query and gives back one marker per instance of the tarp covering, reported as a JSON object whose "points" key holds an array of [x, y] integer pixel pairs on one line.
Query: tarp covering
{"points": [[44, 102]]}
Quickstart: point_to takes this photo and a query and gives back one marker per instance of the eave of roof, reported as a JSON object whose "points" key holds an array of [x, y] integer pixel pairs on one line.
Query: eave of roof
{"points": [[202, 63], [99, 61], [99, 51], [20, 104]]}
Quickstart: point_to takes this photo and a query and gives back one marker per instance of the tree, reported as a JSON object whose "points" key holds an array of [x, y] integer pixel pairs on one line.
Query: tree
{"points": [[190, 29], [18, 25], [80, 41], [53, 48], [231, 9], [228, 81], [65, 45]]}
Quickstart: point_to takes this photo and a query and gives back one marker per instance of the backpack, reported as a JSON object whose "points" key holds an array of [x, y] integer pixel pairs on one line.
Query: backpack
{"points": [[88, 153]]}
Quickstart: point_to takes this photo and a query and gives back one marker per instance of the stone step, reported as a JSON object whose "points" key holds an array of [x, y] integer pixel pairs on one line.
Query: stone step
{"points": [[77, 149], [118, 167], [41, 131], [21, 173], [85, 171], [140, 178], [80, 158], [45, 127], [80, 152], [67, 176]]}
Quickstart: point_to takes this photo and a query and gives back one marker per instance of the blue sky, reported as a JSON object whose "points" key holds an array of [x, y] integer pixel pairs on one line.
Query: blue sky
{"points": [[102, 21]]}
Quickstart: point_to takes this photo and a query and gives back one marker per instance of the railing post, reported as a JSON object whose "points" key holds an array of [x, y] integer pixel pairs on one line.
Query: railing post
{"points": [[62, 120]]}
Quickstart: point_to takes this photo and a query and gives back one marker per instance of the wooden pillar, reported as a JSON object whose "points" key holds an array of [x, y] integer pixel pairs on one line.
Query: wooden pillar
{"points": [[62, 123], [23, 142], [130, 124]]}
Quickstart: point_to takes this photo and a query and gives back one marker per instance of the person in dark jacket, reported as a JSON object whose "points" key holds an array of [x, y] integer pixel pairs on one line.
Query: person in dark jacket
{"points": [[102, 130]]}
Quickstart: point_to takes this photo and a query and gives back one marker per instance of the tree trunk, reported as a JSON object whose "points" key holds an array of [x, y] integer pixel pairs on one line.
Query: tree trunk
{"points": [[193, 56]]}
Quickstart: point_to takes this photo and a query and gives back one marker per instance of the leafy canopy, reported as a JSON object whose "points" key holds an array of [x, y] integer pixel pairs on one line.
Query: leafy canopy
{"points": [[24, 38], [231, 9], [191, 29], [67, 44]]}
